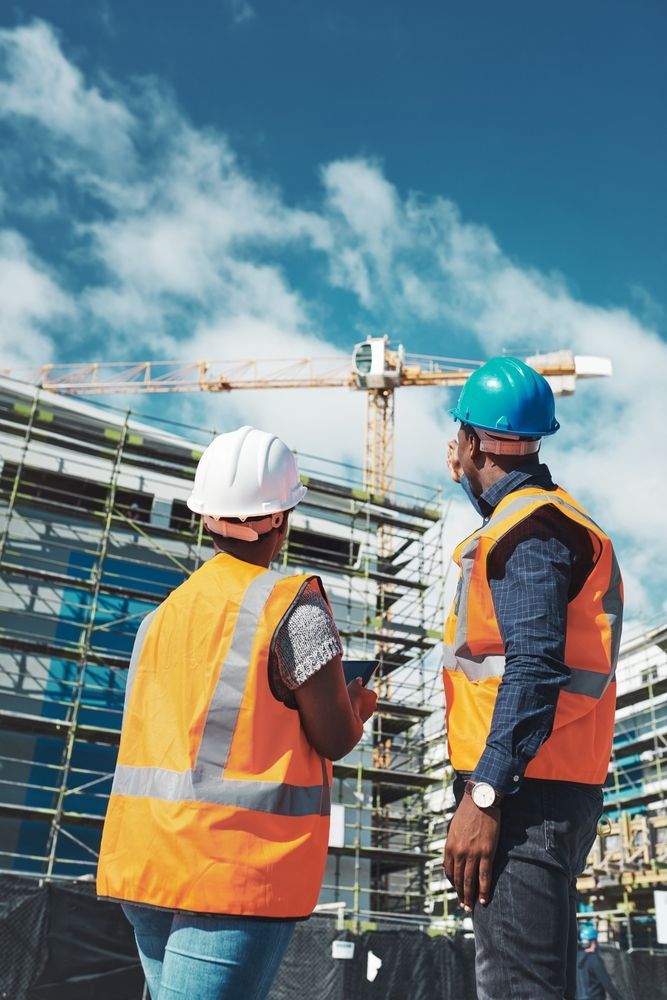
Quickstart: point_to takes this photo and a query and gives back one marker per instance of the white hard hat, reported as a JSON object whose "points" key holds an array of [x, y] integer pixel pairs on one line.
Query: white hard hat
{"points": [[246, 473]]}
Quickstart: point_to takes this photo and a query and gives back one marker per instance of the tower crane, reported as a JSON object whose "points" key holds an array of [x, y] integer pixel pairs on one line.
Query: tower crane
{"points": [[376, 369]]}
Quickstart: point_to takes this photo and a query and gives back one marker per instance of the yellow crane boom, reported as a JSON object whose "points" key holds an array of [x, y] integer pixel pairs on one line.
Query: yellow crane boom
{"points": [[376, 369]]}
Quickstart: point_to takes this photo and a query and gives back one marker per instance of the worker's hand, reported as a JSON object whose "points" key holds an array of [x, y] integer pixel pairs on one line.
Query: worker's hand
{"points": [[470, 848], [453, 463], [363, 700]]}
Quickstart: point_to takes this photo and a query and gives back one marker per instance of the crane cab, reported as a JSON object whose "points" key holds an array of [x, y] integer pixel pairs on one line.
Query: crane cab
{"points": [[375, 366]]}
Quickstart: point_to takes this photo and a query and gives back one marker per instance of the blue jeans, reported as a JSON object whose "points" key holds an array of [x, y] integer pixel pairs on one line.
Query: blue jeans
{"points": [[526, 936], [207, 957]]}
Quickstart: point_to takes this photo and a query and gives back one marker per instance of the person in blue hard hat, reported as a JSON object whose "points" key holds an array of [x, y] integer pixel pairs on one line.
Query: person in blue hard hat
{"points": [[593, 982], [531, 644]]}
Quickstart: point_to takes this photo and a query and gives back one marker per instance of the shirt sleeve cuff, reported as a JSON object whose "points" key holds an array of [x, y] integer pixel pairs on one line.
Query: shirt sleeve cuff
{"points": [[501, 772]]}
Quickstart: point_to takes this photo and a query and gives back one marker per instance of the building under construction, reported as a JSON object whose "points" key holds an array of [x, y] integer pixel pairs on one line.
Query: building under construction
{"points": [[94, 532], [628, 861]]}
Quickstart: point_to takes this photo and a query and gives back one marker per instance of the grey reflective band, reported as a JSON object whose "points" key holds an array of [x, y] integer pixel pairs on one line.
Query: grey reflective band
{"points": [[589, 682], [462, 595], [206, 781], [140, 637], [521, 502], [274, 797], [476, 668], [226, 701]]}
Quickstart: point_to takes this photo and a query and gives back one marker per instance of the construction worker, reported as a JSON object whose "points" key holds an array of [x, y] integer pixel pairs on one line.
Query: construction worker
{"points": [[593, 982], [531, 645], [216, 834]]}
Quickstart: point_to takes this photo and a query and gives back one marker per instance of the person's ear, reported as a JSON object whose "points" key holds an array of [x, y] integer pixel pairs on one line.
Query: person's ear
{"points": [[280, 535], [468, 442]]}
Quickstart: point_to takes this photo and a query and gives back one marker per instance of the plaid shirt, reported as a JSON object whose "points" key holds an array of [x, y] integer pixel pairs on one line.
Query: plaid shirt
{"points": [[534, 571]]}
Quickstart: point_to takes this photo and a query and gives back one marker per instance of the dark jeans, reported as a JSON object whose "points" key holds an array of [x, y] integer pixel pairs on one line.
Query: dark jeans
{"points": [[526, 936]]}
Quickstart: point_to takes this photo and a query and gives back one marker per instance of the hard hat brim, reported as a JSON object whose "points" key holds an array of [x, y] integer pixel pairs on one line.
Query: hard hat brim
{"points": [[269, 508], [453, 411]]}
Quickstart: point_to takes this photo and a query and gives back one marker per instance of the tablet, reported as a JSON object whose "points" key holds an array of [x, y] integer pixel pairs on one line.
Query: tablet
{"points": [[359, 668]]}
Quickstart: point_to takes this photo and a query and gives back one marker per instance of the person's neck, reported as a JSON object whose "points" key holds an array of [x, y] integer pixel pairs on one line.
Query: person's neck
{"points": [[501, 466], [490, 475], [256, 553]]}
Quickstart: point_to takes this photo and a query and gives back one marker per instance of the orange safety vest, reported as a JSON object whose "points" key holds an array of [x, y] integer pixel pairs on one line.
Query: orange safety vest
{"points": [[219, 803], [579, 746]]}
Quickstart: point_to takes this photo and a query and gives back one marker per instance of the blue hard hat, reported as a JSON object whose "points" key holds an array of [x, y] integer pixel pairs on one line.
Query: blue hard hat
{"points": [[509, 397], [587, 933]]}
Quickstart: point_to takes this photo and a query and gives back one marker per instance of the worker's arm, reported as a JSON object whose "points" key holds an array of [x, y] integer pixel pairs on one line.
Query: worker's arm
{"points": [[333, 714], [306, 673], [597, 969]]}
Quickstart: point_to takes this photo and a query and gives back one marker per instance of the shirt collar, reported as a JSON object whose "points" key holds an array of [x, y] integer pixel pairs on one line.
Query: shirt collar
{"points": [[535, 475]]}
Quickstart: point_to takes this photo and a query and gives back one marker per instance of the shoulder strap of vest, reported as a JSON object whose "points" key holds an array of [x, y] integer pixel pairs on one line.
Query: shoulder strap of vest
{"points": [[520, 504]]}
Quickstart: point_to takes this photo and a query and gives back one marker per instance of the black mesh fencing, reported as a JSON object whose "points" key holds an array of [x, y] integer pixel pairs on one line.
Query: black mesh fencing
{"points": [[90, 949], [22, 935], [308, 962], [637, 974], [402, 964], [456, 967], [59, 941]]}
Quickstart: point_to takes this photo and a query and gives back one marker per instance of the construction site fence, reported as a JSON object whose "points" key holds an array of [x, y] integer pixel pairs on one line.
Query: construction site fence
{"points": [[58, 941]]}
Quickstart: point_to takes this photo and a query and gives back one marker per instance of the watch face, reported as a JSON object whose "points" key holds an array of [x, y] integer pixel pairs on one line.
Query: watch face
{"points": [[483, 795]]}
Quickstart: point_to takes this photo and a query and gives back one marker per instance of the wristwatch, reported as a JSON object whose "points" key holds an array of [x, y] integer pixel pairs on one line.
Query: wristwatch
{"points": [[483, 795]]}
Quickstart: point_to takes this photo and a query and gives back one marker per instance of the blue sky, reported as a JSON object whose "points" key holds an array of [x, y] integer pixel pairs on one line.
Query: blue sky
{"points": [[279, 179], [542, 121]]}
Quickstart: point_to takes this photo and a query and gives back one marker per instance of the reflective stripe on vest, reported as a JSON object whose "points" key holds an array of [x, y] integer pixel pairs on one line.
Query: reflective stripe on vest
{"points": [[262, 796], [142, 632], [206, 781]]}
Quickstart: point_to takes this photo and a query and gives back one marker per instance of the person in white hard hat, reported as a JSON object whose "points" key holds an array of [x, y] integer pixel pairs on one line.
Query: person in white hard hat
{"points": [[216, 834]]}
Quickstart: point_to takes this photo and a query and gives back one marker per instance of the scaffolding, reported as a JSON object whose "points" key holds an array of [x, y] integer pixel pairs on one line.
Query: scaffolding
{"points": [[628, 861], [94, 532]]}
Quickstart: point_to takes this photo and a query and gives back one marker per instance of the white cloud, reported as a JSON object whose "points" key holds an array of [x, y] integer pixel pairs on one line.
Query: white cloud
{"points": [[196, 258], [41, 84], [30, 301], [366, 220], [441, 268], [327, 423], [241, 11]]}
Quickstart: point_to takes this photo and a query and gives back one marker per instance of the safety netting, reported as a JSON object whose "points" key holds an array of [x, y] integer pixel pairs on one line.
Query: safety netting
{"points": [[57, 940]]}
